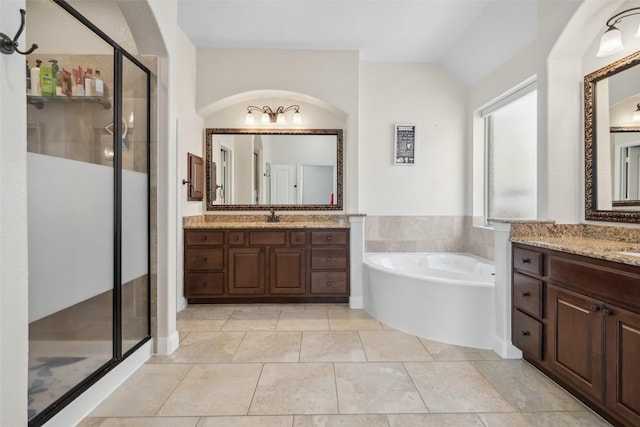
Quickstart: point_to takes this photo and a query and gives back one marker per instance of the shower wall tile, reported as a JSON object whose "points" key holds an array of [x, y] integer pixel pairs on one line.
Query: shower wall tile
{"points": [[427, 234]]}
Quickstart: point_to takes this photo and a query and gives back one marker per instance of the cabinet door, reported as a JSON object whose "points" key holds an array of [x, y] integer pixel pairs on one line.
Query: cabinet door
{"points": [[623, 363], [287, 271], [575, 331], [247, 271]]}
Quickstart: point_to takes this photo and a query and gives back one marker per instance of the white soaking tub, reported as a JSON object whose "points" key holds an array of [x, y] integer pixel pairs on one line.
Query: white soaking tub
{"points": [[446, 297]]}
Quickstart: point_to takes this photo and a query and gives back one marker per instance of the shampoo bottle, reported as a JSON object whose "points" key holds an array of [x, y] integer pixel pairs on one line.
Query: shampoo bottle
{"points": [[47, 81], [89, 83], [80, 82], [35, 79], [99, 84], [56, 77]]}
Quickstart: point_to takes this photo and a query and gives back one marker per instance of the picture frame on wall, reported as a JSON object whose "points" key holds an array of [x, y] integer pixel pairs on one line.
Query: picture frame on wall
{"points": [[404, 144]]}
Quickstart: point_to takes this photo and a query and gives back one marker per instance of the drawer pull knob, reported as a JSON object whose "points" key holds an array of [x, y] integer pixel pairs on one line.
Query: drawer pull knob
{"points": [[526, 261], [328, 237], [235, 238], [526, 333], [204, 259], [607, 312], [526, 294], [593, 308], [329, 283], [328, 259], [204, 238], [203, 284]]}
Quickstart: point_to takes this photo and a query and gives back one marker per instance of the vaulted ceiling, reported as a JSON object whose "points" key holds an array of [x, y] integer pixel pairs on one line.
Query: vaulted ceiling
{"points": [[469, 38]]}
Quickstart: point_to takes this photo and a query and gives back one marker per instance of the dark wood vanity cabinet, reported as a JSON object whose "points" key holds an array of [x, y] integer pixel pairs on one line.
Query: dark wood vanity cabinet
{"points": [[578, 320], [274, 265]]}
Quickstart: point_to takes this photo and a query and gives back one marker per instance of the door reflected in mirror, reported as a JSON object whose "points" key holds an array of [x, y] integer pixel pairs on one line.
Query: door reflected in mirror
{"points": [[297, 169]]}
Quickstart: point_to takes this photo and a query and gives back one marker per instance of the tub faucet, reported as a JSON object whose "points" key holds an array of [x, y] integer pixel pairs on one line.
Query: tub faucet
{"points": [[273, 217]]}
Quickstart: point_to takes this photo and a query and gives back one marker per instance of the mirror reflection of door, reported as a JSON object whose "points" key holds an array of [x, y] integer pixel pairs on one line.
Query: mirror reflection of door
{"points": [[283, 181], [317, 184], [225, 176], [633, 172]]}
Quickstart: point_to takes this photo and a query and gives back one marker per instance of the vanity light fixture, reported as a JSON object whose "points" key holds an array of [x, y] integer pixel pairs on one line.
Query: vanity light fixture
{"points": [[611, 40], [636, 114], [269, 115]]}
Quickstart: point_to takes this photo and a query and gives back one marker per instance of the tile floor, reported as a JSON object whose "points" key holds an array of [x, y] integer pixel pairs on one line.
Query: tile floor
{"points": [[326, 365]]}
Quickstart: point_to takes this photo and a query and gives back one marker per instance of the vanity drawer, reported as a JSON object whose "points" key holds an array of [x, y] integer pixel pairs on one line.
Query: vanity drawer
{"points": [[527, 294], [527, 334], [328, 237], [201, 284], [527, 261], [269, 238], [236, 238], [298, 238], [194, 238], [328, 259], [334, 282], [204, 259]]}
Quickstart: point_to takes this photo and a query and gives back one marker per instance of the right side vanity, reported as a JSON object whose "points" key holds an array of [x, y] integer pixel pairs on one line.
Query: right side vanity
{"points": [[576, 311]]}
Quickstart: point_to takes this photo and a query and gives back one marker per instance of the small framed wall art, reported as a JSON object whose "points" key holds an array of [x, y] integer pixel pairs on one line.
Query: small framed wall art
{"points": [[404, 145]]}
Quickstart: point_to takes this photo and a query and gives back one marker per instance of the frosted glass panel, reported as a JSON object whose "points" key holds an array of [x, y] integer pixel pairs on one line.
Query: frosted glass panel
{"points": [[511, 163]]}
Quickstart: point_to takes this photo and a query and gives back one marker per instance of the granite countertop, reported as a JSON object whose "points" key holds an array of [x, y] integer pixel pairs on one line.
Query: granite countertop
{"points": [[617, 244], [260, 221]]}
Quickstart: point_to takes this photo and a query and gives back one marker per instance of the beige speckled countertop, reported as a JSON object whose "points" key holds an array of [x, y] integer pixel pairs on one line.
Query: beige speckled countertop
{"points": [[593, 241], [260, 221]]}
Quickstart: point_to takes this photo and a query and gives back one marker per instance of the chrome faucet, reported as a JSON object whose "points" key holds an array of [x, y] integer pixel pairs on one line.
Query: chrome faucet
{"points": [[273, 217]]}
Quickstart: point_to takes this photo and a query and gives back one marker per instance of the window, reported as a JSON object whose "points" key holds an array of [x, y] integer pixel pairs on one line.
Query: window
{"points": [[510, 140]]}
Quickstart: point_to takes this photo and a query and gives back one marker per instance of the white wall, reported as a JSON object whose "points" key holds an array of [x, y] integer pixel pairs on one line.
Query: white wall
{"points": [[331, 77], [424, 95], [13, 227]]}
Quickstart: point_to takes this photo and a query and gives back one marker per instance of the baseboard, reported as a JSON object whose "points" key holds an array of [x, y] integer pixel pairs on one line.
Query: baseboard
{"points": [[356, 302], [82, 406], [167, 345], [505, 349]]}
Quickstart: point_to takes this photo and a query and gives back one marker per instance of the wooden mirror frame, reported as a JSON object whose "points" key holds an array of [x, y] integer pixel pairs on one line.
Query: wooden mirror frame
{"points": [[266, 207], [592, 213]]}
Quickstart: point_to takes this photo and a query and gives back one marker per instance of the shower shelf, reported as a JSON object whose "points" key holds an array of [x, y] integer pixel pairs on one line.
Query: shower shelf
{"points": [[40, 101]]}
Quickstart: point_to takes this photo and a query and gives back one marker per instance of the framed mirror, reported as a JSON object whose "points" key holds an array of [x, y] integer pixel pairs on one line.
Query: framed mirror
{"points": [[281, 169], [612, 141]]}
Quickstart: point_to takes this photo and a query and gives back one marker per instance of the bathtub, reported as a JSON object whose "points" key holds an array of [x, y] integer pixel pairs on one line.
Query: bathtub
{"points": [[446, 297]]}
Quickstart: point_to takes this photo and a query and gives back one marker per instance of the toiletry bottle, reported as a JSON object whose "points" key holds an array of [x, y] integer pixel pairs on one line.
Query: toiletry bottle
{"points": [[56, 77], [28, 79], [89, 83], [99, 84], [65, 82], [47, 81], [35, 79], [80, 82]]}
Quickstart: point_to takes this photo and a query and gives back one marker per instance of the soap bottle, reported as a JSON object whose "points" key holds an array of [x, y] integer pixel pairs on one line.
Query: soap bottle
{"points": [[89, 83], [99, 84], [28, 79], [35, 79], [56, 77], [47, 81], [80, 82]]}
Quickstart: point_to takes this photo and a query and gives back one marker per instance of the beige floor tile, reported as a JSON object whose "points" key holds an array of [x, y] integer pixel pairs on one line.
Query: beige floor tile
{"points": [[282, 307], [393, 346], [340, 421], [204, 347], [282, 346], [447, 352], [526, 387], [376, 388], [247, 421], [214, 389], [144, 392], [205, 312], [434, 420], [199, 325], [305, 320], [252, 320], [588, 418], [455, 387], [535, 419], [344, 312], [295, 388], [354, 324], [149, 422], [92, 422], [331, 346]]}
